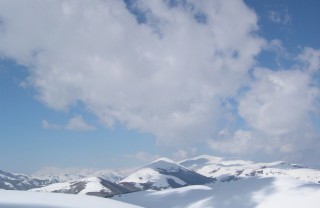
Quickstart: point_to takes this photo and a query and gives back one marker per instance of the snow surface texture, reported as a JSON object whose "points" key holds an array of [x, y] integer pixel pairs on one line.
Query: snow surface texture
{"points": [[148, 175], [24, 199], [90, 186], [237, 183], [226, 169], [164, 173], [254, 192]]}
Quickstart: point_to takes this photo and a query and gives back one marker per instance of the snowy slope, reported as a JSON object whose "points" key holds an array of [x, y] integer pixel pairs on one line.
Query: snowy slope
{"points": [[164, 173], [25, 199], [89, 186], [226, 169], [12, 181], [253, 192]]}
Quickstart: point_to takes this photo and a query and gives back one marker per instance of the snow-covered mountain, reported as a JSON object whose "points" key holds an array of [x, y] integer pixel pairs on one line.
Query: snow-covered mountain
{"points": [[226, 169], [204, 171], [162, 174], [89, 186], [12, 181], [71, 174], [239, 183]]}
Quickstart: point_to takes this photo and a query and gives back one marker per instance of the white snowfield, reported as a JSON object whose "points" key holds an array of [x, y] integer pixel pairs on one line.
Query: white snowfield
{"points": [[149, 175], [221, 168], [254, 192], [26, 199], [93, 184]]}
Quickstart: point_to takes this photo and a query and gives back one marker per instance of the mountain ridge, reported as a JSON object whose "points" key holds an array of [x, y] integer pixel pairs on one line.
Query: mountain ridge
{"points": [[160, 174], [164, 173]]}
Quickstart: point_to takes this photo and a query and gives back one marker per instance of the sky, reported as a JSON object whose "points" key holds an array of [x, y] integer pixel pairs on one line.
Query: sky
{"points": [[116, 84]]}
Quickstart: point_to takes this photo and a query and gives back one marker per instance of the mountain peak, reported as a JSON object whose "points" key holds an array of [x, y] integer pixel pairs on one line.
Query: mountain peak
{"points": [[164, 159], [165, 173], [165, 164]]}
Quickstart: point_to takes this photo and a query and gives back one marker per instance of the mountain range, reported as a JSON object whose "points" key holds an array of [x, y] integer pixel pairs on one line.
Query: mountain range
{"points": [[72, 174], [12, 181], [159, 175]]}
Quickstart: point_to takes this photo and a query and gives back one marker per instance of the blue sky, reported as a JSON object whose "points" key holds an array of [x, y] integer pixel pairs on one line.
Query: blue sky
{"points": [[84, 84]]}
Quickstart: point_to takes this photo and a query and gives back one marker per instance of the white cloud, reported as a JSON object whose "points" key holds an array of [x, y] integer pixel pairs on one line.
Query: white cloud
{"points": [[277, 108], [280, 17], [166, 77], [78, 124], [278, 101], [238, 142], [182, 154], [311, 59], [169, 76], [48, 125], [280, 51], [144, 156]]}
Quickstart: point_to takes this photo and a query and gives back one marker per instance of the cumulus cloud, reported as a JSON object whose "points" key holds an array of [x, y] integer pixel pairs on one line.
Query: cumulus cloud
{"points": [[166, 75], [276, 109], [278, 101], [168, 68]]}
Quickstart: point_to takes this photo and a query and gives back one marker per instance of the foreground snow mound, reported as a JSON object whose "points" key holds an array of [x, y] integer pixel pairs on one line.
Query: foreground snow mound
{"points": [[23, 199], [164, 173], [254, 192]]}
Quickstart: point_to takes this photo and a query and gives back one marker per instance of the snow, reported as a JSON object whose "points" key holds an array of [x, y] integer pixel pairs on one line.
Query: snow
{"points": [[258, 192], [9, 184], [260, 185], [164, 159], [157, 173], [222, 168], [94, 185], [23, 199], [302, 174], [235, 162], [180, 190], [204, 160], [166, 164], [146, 175], [53, 187]]}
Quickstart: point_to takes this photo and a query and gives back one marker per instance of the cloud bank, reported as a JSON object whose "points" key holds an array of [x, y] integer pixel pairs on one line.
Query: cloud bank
{"points": [[164, 67]]}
